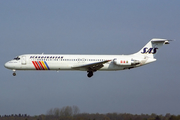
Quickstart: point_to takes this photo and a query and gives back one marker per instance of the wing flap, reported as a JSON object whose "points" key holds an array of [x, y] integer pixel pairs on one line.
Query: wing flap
{"points": [[91, 67]]}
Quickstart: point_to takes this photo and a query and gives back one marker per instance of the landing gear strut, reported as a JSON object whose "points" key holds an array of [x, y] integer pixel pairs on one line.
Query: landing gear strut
{"points": [[90, 74]]}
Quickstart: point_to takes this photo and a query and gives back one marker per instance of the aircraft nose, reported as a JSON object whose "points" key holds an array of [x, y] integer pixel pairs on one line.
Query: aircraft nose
{"points": [[7, 65]]}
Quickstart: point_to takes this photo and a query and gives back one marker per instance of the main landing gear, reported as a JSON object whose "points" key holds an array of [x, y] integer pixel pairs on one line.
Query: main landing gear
{"points": [[90, 74]]}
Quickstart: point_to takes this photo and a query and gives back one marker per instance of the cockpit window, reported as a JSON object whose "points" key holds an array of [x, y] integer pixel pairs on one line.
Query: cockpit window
{"points": [[17, 58]]}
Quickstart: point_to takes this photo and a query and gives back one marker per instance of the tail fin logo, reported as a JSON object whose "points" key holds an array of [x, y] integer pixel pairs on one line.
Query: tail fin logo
{"points": [[149, 50]]}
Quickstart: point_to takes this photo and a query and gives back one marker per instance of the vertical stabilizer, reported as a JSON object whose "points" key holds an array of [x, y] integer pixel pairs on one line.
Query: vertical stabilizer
{"points": [[152, 47]]}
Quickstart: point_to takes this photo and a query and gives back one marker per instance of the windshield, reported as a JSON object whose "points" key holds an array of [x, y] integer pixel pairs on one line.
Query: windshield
{"points": [[16, 58]]}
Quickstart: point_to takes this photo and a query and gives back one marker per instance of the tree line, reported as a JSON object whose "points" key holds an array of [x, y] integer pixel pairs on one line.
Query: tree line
{"points": [[73, 113]]}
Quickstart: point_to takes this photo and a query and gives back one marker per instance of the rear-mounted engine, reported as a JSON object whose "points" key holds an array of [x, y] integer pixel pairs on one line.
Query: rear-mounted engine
{"points": [[126, 62]]}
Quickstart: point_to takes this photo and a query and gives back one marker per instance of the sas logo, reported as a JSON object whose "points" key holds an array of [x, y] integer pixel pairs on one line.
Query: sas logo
{"points": [[149, 50]]}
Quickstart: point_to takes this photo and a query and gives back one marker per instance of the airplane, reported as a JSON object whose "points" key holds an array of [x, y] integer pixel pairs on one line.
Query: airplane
{"points": [[89, 63]]}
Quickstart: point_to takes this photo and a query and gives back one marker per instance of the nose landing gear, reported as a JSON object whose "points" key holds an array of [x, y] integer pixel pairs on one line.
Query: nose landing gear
{"points": [[14, 72]]}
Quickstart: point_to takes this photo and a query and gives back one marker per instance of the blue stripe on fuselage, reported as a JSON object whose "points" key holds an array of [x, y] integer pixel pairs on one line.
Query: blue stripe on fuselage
{"points": [[47, 65]]}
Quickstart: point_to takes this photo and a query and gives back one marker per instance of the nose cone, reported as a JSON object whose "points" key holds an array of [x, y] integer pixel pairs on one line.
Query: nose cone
{"points": [[8, 65]]}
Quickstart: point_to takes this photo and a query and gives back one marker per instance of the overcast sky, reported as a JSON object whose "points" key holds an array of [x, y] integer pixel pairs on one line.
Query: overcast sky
{"points": [[90, 27]]}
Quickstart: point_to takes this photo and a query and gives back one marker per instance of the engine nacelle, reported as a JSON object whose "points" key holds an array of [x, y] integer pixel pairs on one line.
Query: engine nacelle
{"points": [[124, 62]]}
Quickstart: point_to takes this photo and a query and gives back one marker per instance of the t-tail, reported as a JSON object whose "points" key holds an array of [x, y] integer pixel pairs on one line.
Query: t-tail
{"points": [[149, 51]]}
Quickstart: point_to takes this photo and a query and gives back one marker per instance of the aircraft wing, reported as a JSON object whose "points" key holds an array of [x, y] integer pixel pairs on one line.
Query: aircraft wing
{"points": [[93, 66]]}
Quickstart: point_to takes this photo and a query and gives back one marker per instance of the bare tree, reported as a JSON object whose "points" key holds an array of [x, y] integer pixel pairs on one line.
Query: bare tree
{"points": [[65, 111], [75, 110], [50, 112], [56, 112]]}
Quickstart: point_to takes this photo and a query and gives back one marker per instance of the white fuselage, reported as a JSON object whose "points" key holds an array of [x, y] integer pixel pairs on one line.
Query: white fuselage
{"points": [[89, 63], [66, 62]]}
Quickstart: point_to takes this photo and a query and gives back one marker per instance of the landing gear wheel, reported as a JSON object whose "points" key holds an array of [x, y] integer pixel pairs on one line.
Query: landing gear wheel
{"points": [[90, 74], [14, 74]]}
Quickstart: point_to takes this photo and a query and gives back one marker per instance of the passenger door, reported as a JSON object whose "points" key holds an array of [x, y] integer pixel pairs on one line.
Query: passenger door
{"points": [[23, 60]]}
